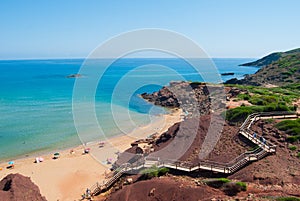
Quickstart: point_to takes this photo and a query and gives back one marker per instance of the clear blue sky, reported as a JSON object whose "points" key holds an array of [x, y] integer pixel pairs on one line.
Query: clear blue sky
{"points": [[73, 28]]}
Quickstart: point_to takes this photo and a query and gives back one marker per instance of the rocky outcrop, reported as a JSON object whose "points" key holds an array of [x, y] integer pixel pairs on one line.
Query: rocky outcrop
{"points": [[15, 187], [164, 97], [194, 98], [246, 81], [232, 92]]}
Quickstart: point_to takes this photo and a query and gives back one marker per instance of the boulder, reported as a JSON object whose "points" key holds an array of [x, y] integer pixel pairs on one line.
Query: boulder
{"points": [[15, 187]]}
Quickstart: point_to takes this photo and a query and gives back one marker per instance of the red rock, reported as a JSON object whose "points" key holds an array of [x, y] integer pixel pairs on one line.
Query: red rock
{"points": [[15, 187]]}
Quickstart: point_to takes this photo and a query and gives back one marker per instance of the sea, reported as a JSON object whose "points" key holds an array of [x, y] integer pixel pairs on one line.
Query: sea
{"points": [[39, 98]]}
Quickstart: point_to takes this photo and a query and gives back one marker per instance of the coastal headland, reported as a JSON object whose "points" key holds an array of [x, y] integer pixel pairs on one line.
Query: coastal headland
{"points": [[250, 107]]}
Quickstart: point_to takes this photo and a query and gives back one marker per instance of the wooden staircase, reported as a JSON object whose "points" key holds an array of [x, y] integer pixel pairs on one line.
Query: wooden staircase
{"points": [[96, 188], [264, 148]]}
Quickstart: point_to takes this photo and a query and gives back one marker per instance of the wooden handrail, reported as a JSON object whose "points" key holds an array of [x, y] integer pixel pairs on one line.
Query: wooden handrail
{"points": [[227, 168]]}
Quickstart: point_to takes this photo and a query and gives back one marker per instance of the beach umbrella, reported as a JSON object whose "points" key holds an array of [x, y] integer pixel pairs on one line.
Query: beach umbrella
{"points": [[41, 159], [101, 144], [87, 150], [56, 155], [109, 160], [11, 163]]}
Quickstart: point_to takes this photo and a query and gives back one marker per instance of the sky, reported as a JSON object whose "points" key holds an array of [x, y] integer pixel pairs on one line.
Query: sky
{"points": [[74, 28]]}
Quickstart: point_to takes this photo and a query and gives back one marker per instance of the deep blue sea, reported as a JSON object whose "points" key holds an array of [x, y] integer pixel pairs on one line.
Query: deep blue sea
{"points": [[36, 98]]}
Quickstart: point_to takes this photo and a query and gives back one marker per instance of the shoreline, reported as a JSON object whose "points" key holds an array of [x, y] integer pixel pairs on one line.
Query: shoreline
{"points": [[59, 148], [68, 177]]}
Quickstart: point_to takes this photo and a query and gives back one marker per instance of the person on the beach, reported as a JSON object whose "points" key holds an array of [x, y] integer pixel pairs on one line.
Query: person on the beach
{"points": [[88, 193]]}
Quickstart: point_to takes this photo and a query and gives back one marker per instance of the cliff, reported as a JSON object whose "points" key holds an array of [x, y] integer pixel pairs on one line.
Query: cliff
{"points": [[278, 69], [271, 58], [192, 97]]}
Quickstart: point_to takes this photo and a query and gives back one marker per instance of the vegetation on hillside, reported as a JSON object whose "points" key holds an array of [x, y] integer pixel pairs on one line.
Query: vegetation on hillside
{"points": [[228, 187], [264, 100], [154, 172], [292, 128], [278, 69], [265, 60], [288, 199], [271, 58], [216, 182]]}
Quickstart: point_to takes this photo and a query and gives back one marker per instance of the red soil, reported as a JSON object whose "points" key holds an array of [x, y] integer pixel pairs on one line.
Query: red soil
{"points": [[16, 187]]}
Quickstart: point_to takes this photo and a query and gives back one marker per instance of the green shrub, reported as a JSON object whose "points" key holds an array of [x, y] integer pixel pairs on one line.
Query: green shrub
{"points": [[269, 120], [244, 96], [291, 127], [293, 70], [292, 139], [276, 107], [263, 100], [293, 87], [233, 188], [243, 185], [298, 155], [257, 101], [292, 148], [287, 92], [287, 73], [239, 114], [224, 180], [154, 172], [288, 199], [150, 172], [163, 171], [261, 91], [216, 183]]}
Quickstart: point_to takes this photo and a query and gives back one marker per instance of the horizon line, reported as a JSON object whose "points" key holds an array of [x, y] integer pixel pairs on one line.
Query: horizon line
{"points": [[83, 58]]}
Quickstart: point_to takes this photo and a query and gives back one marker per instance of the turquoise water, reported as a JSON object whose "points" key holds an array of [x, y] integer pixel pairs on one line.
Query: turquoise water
{"points": [[36, 99]]}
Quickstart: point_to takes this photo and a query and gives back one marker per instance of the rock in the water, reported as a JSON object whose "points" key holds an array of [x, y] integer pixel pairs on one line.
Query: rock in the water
{"points": [[225, 74], [74, 76]]}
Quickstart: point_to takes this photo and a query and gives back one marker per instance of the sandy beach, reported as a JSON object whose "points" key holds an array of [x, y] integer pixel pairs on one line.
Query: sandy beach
{"points": [[67, 177]]}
